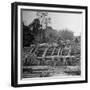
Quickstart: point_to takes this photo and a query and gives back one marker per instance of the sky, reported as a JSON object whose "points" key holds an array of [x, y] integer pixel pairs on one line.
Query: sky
{"points": [[59, 21]]}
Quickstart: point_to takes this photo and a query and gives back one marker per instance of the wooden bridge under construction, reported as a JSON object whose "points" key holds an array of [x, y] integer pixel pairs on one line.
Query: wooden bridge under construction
{"points": [[43, 60], [45, 53]]}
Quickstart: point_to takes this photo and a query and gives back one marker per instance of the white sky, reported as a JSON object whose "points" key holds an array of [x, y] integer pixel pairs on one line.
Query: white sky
{"points": [[59, 21]]}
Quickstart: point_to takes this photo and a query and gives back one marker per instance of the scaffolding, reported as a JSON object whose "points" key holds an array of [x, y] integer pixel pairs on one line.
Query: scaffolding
{"points": [[44, 52]]}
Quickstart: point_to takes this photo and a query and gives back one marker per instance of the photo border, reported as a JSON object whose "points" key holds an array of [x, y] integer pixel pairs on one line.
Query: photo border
{"points": [[14, 43]]}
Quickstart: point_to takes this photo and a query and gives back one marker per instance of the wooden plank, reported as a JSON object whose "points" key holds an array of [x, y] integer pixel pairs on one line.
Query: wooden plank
{"points": [[31, 50], [59, 51], [69, 50], [35, 50], [53, 51], [45, 52], [57, 56]]}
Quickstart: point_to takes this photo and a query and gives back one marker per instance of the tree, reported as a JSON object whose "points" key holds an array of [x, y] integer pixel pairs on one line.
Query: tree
{"points": [[35, 28], [50, 35], [34, 33], [44, 19], [66, 34], [27, 36]]}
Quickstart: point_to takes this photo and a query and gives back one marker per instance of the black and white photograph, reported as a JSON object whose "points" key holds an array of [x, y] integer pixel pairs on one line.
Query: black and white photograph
{"points": [[51, 44]]}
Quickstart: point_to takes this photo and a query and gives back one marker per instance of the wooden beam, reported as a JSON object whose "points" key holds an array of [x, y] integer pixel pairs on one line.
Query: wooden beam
{"points": [[53, 51], [45, 52], [57, 56]]}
